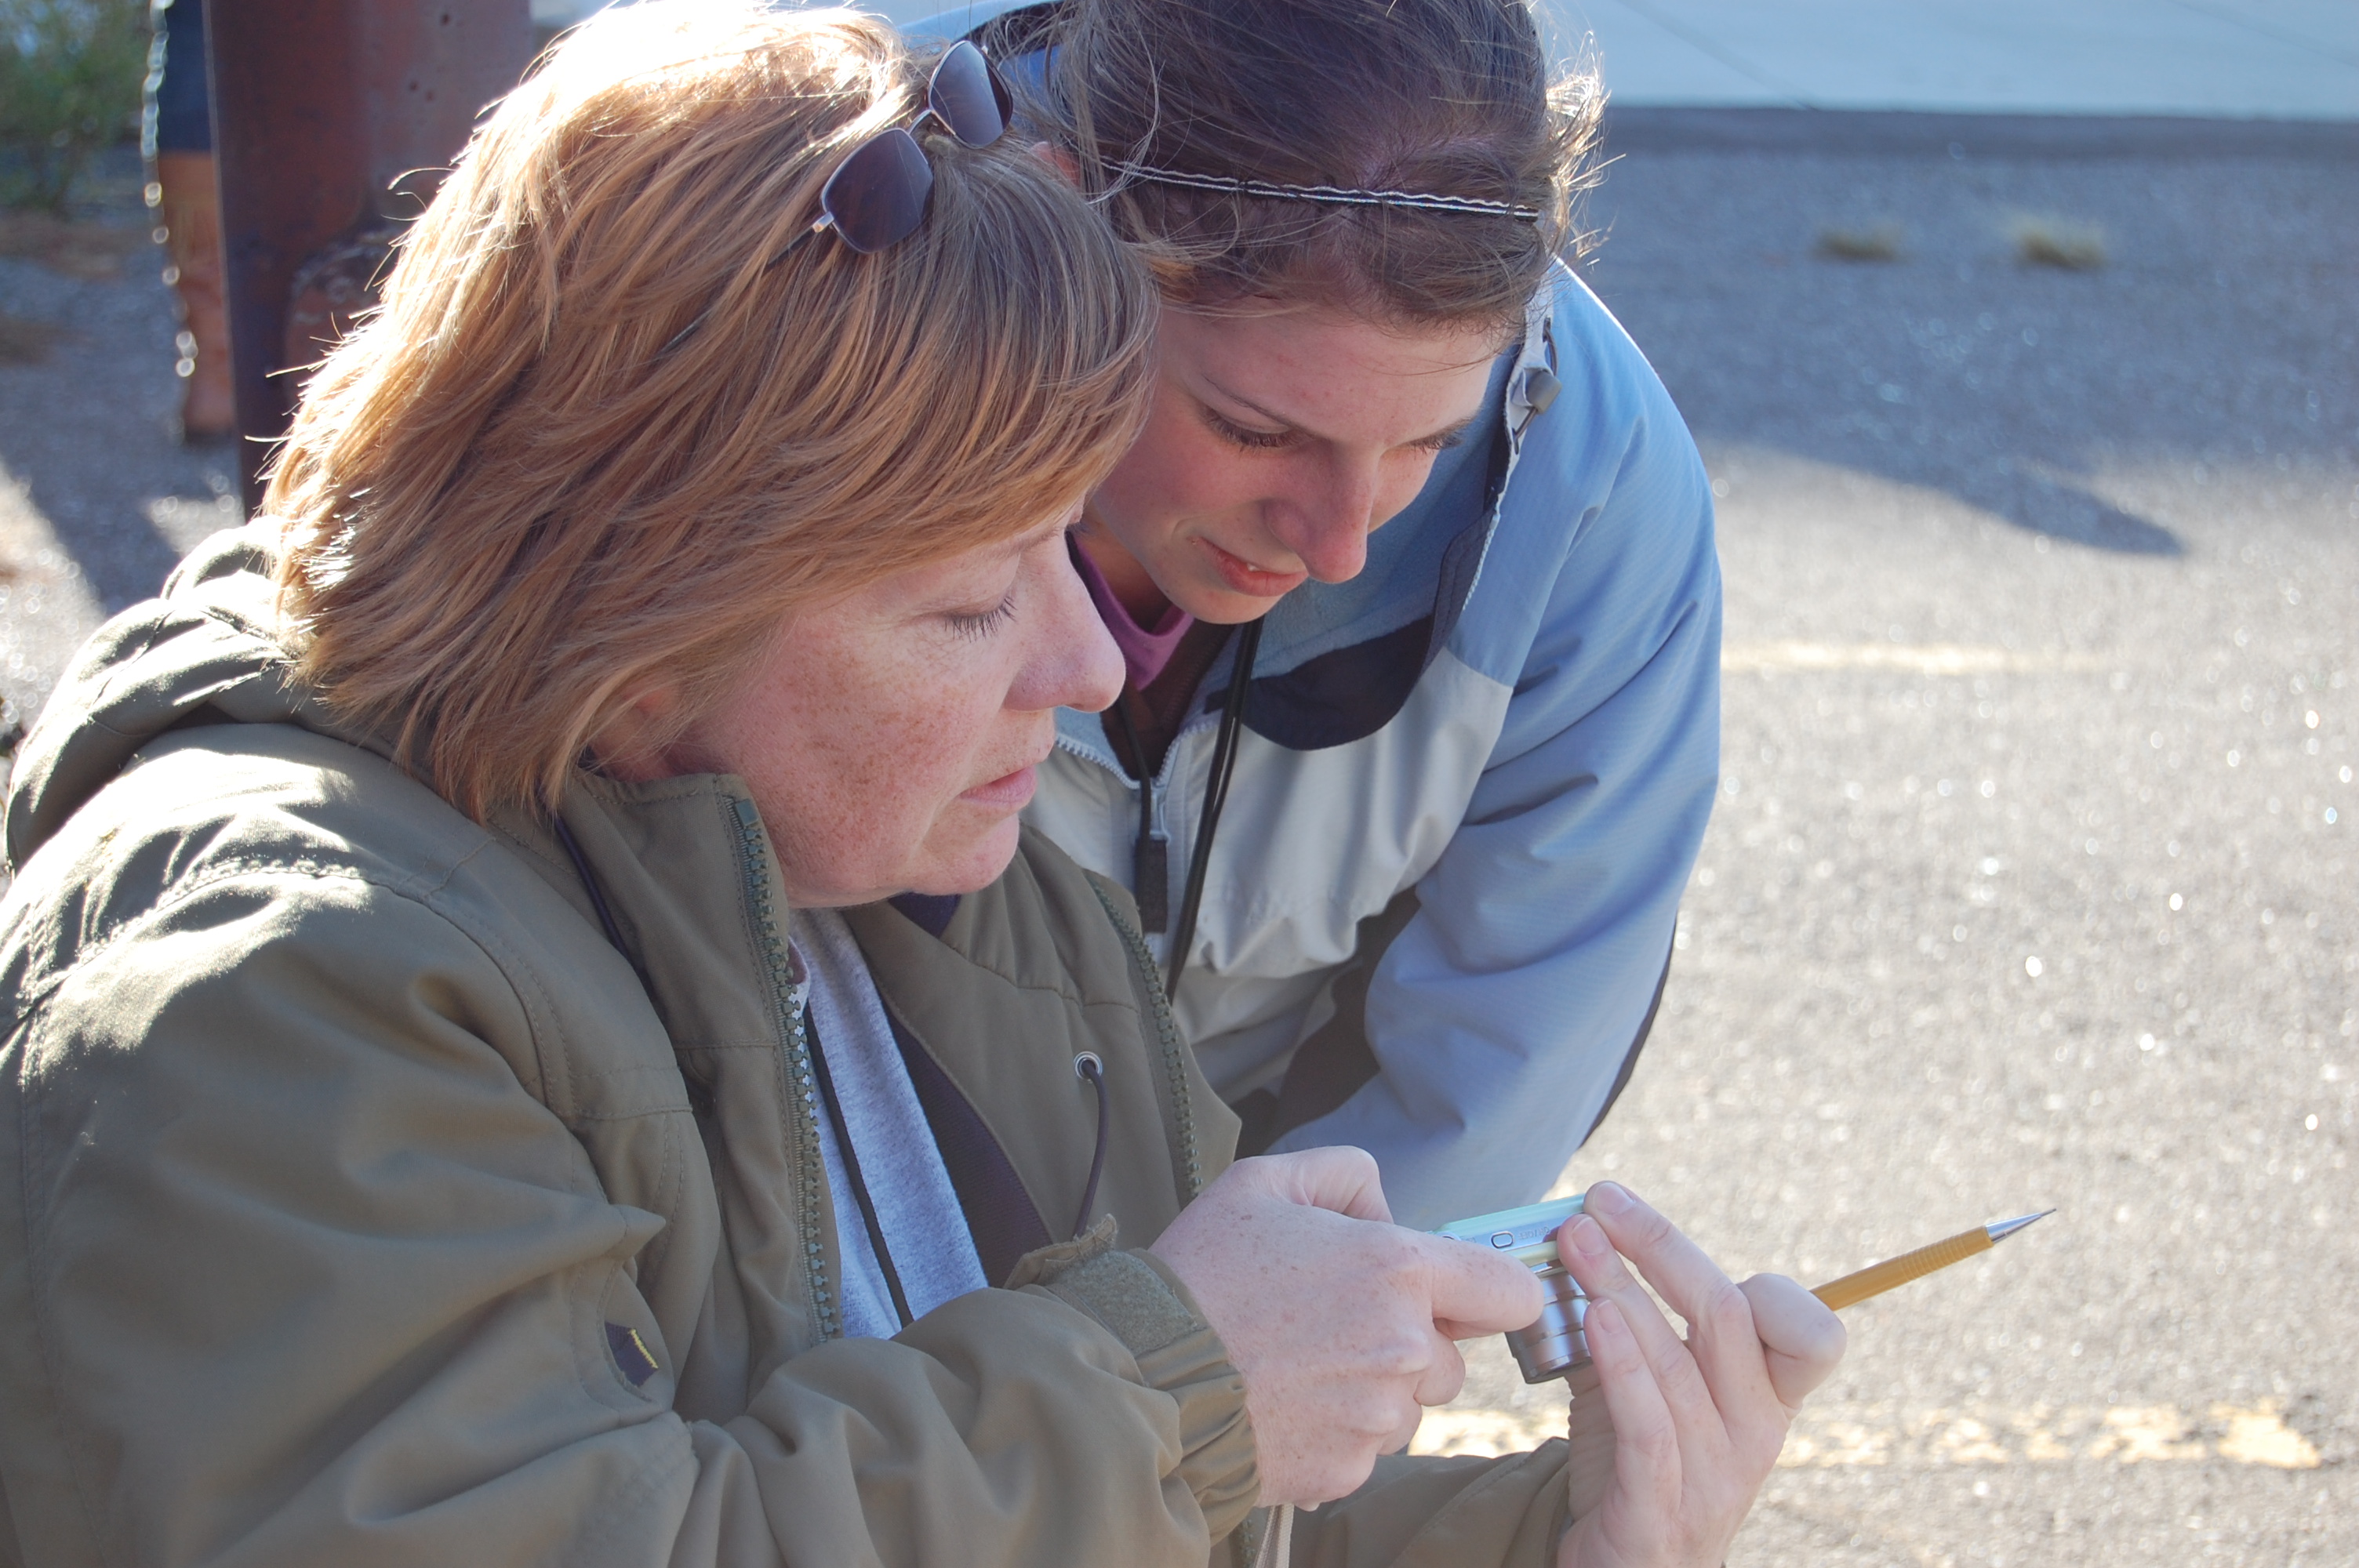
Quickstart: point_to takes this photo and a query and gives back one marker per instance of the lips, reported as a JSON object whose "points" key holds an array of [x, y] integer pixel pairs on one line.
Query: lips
{"points": [[1243, 576], [1012, 791], [1008, 792]]}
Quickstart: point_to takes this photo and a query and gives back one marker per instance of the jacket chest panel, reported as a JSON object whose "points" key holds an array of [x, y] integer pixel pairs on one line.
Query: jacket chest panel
{"points": [[765, 1258], [1311, 842]]}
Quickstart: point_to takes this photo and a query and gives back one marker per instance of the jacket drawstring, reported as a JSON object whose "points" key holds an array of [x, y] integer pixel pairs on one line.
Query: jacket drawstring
{"points": [[1277, 1539], [1090, 1069]]}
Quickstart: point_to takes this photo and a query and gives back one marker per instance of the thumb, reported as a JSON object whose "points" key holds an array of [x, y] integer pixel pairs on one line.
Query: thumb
{"points": [[1340, 1178], [1803, 1336]]}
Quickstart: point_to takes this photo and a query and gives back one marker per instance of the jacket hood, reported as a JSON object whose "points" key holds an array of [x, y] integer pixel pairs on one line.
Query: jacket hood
{"points": [[206, 650]]}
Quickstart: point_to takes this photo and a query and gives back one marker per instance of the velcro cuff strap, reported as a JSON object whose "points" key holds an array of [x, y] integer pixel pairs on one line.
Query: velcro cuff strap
{"points": [[1142, 1303]]}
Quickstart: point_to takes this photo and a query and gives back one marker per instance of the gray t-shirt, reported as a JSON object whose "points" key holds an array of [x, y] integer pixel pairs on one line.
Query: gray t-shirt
{"points": [[916, 1209]]}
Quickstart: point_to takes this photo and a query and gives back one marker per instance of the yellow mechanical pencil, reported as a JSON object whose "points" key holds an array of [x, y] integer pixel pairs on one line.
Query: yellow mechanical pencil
{"points": [[1878, 1278]]}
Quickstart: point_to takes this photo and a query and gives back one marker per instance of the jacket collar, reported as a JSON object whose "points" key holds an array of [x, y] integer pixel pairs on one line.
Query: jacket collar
{"points": [[687, 875], [209, 642]]}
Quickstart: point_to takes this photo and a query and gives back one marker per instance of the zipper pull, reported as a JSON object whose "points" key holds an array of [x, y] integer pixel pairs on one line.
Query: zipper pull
{"points": [[798, 975], [1150, 869], [1151, 877]]}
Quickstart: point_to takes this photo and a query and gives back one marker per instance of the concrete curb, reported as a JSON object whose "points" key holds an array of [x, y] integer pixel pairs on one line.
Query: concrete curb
{"points": [[1908, 133]]}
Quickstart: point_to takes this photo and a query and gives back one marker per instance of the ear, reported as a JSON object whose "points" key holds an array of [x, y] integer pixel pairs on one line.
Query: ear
{"points": [[1063, 161], [630, 745]]}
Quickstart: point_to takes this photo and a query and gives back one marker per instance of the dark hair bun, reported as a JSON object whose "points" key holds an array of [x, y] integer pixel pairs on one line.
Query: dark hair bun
{"points": [[1443, 97]]}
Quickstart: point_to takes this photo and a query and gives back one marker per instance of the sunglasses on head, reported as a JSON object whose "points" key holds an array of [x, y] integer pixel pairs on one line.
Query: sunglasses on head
{"points": [[877, 197]]}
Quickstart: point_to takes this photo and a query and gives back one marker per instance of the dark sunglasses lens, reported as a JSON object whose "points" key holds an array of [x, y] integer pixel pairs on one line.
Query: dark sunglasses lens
{"points": [[878, 197], [967, 95]]}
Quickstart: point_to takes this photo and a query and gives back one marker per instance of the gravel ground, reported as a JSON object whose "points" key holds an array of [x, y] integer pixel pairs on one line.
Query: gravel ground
{"points": [[2032, 878], [97, 499]]}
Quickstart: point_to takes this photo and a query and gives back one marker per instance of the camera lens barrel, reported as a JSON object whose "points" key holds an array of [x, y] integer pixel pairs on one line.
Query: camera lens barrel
{"points": [[1553, 1344]]}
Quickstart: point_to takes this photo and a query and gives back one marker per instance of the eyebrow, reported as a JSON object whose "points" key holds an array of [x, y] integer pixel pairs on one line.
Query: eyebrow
{"points": [[933, 603], [1447, 435], [1015, 547]]}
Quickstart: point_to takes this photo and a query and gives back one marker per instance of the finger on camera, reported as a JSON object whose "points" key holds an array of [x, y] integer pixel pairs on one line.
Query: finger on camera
{"points": [[1337, 1177], [1589, 1256], [1721, 1334], [1804, 1338], [1682, 1272], [1647, 1451], [1476, 1292], [1601, 1274]]}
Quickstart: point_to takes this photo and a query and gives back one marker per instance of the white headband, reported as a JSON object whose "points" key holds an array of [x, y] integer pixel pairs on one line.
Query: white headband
{"points": [[1334, 195]]}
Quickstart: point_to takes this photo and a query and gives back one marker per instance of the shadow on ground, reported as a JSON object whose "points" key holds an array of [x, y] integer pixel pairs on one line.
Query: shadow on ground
{"points": [[2223, 325], [86, 423]]}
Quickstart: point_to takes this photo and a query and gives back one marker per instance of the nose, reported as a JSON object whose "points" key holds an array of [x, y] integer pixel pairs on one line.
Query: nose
{"points": [[1327, 522], [1071, 660]]}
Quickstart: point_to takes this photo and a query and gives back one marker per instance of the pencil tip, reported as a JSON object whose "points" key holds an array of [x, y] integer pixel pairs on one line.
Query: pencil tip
{"points": [[2006, 1227]]}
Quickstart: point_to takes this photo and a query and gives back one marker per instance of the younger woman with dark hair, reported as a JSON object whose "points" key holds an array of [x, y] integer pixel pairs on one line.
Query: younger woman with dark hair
{"points": [[1417, 877]]}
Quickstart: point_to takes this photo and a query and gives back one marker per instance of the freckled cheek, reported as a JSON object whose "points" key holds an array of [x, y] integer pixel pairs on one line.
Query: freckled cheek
{"points": [[1172, 474], [840, 795], [898, 777]]}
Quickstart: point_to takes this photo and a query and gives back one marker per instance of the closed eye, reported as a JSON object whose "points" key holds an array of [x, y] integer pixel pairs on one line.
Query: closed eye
{"points": [[982, 623], [1251, 441]]}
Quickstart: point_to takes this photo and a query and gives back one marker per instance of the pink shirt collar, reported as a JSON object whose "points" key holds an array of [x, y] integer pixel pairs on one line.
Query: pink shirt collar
{"points": [[1145, 650]]}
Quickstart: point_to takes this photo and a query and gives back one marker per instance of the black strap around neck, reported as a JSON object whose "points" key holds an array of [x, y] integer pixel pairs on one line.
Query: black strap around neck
{"points": [[1216, 797], [851, 1172]]}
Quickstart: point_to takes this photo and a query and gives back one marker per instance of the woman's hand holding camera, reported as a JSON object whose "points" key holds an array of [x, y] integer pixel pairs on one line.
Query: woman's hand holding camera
{"points": [[1671, 1439], [1342, 1330]]}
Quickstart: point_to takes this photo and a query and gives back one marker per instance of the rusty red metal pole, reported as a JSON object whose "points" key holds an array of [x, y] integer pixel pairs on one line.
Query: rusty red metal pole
{"points": [[319, 106]]}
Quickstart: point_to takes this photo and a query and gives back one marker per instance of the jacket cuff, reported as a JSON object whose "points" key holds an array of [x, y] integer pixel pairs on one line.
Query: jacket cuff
{"points": [[1141, 1302]]}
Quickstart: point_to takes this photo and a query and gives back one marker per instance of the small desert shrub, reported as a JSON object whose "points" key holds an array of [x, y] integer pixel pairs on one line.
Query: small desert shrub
{"points": [[70, 80], [92, 252], [2051, 242], [1880, 243], [23, 342]]}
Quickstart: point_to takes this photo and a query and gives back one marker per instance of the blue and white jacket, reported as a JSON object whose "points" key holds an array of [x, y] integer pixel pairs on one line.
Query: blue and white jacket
{"points": [[1513, 712]]}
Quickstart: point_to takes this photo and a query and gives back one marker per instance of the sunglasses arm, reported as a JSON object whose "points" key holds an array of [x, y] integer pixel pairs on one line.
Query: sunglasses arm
{"points": [[819, 225]]}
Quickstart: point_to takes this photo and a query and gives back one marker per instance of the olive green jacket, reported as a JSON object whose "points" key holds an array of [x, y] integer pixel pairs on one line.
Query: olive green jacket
{"points": [[362, 1202]]}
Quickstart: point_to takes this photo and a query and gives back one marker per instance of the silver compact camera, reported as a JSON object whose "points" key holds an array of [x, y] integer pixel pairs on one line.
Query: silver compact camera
{"points": [[1552, 1345]]}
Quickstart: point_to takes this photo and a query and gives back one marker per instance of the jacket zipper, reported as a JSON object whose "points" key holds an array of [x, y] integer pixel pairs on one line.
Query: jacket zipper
{"points": [[1166, 1033], [786, 984], [1090, 752], [1159, 792]]}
